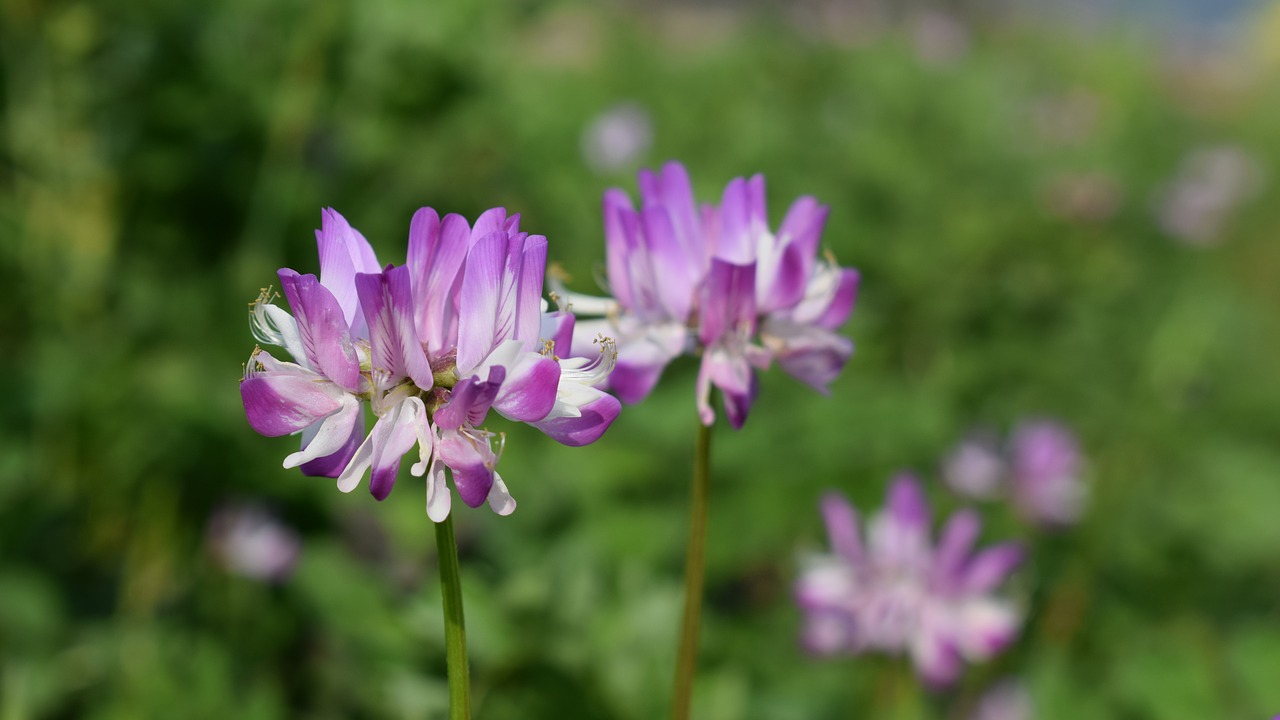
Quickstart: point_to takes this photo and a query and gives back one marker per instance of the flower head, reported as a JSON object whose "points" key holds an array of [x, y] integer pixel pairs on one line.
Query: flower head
{"points": [[431, 346], [716, 281], [893, 590], [1040, 470]]}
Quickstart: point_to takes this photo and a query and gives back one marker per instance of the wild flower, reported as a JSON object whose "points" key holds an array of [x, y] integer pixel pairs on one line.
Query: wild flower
{"points": [[1040, 470], [891, 589], [431, 346], [716, 281]]}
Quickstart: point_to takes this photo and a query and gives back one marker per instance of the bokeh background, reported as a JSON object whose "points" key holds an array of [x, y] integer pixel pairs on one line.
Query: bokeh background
{"points": [[1063, 210]]}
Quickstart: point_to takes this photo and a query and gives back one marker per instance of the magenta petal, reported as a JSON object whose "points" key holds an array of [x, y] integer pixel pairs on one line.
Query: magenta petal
{"points": [[332, 465], [558, 328], [436, 251], [633, 381], [842, 527], [991, 567], [278, 403], [954, 546], [493, 220], [801, 229], [741, 219], [906, 505], [529, 391], [841, 306], [528, 310], [728, 300], [815, 356], [393, 435], [478, 302], [470, 400], [343, 253], [387, 300], [324, 331], [597, 415], [617, 245], [471, 460]]}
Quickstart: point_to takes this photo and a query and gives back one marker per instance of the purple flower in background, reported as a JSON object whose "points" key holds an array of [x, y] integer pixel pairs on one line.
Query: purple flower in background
{"points": [[1210, 183], [1007, 700], [1040, 470], [1045, 469], [617, 137], [248, 540], [716, 281], [432, 346], [894, 591]]}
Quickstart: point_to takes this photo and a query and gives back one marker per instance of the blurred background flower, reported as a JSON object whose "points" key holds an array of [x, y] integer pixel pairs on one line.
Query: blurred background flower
{"points": [[250, 541]]}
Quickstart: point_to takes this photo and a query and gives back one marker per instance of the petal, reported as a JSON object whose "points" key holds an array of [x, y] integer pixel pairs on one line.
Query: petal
{"points": [[280, 403], [594, 417], [322, 327], [469, 456], [899, 535], [728, 300], [991, 567], [333, 464], [529, 391], [387, 300], [728, 370], [493, 220], [478, 302], [470, 400], [936, 658], [330, 435], [985, 627], [274, 326], [438, 498], [671, 270], [842, 527], [618, 244], [528, 310], [500, 500], [343, 253], [557, 327], [952, 552], [393, 435], [436, 252], [801, 229], [742, 221]]}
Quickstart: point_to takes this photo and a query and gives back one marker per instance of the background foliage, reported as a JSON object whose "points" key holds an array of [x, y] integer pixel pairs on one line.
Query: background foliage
{"points": [[999, 182]]}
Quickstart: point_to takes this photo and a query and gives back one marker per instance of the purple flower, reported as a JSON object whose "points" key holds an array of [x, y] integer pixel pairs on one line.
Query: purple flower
{"points": [[432, 346], [1040, 471], [1007, 700], [248, 540], [716, 281], [899, 593]]}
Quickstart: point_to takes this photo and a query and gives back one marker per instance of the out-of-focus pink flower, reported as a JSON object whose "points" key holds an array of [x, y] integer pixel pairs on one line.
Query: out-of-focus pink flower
{"points": [[248, 540], [1210, 183], [1040, 470], [898, 592], [939, 38], [716, 281], [617, 138], [1007, 700]]}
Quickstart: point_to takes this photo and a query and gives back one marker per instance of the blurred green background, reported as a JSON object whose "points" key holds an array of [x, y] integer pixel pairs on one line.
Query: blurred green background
{"points": [[1053, 216]]}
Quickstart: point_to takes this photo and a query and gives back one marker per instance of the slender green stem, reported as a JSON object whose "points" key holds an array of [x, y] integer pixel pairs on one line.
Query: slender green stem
{"points": [[455, 632], [694, 572]]}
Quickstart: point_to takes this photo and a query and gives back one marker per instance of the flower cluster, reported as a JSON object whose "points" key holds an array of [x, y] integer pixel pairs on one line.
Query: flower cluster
{"points": [[431, 346], [900, 593], [1040, 470], [717, 280]]}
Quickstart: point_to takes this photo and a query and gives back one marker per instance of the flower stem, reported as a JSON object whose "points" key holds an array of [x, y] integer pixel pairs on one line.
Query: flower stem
{"points": [[455, 633], [694, 572]]}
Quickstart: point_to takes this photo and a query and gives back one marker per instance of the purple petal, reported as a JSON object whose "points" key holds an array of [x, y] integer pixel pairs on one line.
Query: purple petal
{"points": [[387, 299], [936, 658], [991, 567], [742, 219], [672, 270], [393, 435], [324, 331], [842, 527], [529, 391], [841, 304], [728, 300], [493, 220], [596, 417], [528, 309], [985, 627], [471, 459], [813, 355], [280, 403], [470, 400], [618, 245], [633, 381], [557, 327], [478, 302], [954, 546], [801, 229], [343, 253], [332, 465], [729, 371], [436, 252]]}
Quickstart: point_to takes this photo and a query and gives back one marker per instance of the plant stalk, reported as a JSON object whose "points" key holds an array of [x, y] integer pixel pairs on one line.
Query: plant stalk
{"points": [[455, 632], [694, 574]]}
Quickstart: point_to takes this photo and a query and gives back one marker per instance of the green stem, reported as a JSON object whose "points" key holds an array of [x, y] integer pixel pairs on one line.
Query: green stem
{"points": [[455, 632], [694, 572]]}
